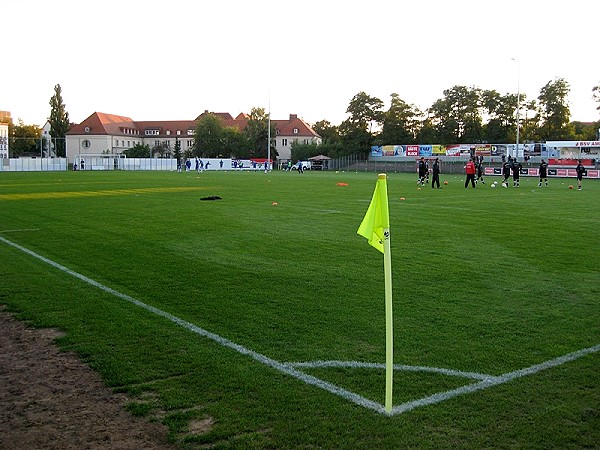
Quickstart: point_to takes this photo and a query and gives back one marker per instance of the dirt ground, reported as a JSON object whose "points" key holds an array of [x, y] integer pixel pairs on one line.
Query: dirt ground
{"points": [[51, 400]]}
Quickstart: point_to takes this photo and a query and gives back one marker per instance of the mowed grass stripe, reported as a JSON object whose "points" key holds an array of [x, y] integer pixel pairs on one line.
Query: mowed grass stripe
{"points": [[108, 192]]}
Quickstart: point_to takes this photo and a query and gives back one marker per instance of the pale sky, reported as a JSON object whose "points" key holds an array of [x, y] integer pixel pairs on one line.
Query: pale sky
{"points": [[171, 60]]}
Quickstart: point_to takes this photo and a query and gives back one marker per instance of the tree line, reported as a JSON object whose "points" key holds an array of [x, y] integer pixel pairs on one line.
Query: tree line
{"points": [[463, 115]]}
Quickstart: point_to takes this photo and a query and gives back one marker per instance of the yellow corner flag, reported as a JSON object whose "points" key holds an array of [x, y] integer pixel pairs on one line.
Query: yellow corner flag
{"points": [[376, 228], [377, 217]]}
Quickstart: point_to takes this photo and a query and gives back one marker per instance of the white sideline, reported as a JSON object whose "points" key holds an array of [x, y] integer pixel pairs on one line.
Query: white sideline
{"points": [[289, 368]]}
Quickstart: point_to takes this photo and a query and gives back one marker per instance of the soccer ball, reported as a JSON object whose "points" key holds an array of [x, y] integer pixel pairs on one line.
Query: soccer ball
{"points": [[492, 185], [570, 186], [445, 182]]}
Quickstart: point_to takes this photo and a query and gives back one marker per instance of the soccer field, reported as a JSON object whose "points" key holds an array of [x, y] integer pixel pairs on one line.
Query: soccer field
{"points": [[264, 310]]}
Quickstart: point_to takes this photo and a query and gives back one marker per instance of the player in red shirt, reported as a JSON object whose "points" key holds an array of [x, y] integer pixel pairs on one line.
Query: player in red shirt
{"points": [[470, 171]]}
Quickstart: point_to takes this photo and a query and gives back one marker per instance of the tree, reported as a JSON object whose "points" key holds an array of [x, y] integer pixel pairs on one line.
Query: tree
{"points": [[161, 149], [59, 122], [177, 150], [427, 132], [208, 137], [596, 95], [257, 131], [501, 126], [554, 111], [585, 131], [235, 143], [457, 116], [329, 133], [400, 123], [356, 131], [301, 152], [24, 139], [138, 151]]}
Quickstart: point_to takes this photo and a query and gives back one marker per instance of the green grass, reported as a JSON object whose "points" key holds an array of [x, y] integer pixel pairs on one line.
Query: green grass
{"points": [[485, 280]]}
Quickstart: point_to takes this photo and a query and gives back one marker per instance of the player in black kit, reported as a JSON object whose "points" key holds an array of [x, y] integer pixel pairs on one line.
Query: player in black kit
{"points": [[506, 172], [516, 171], [543, 173]]}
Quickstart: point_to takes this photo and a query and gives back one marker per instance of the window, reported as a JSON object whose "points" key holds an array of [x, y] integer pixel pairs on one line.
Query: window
{"points": [[284, 142], [86, 144], [151, 132], [296, 130], [168, 132], [178, 132], [190, 132]]}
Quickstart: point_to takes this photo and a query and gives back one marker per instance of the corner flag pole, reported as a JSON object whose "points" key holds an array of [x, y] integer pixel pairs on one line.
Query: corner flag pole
{"points": [[376, 228], [389, 328]]}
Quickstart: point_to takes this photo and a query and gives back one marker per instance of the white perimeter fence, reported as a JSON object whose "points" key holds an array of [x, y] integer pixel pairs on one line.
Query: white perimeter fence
{"points": [[108, 162], [33, 164]]}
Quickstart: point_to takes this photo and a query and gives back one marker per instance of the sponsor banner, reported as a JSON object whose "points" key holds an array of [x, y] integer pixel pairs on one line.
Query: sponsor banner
{"points": [[399, 150], [376, 150], [572, 144], [498, 150], [438, 149], [492, 171], [412, 150], [483, 149], [569, 162], [387, 150], [425, 150], [566, 173], [453, 150], [591, 173], [529, 172]]}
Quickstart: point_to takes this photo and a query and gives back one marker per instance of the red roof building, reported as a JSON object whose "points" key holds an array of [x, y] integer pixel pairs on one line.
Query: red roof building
{"points": [[103, 133]]}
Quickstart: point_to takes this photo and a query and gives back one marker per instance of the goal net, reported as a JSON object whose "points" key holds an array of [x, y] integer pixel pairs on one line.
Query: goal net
{"points": [[91, 161]]}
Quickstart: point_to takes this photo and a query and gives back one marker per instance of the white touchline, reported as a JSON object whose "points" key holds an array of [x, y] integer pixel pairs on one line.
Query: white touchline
{"points": [[289, 368]]}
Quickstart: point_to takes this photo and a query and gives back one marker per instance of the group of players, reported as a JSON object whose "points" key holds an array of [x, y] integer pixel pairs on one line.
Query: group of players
{"points": [[475, 167]]}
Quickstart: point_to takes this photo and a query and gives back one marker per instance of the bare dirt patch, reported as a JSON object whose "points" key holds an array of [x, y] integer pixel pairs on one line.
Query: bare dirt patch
{"points": [[51, 400]]}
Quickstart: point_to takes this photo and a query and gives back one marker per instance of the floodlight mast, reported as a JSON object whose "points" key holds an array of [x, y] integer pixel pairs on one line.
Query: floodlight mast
{"points": [[518, 101], [268, 137], [268, 142]]}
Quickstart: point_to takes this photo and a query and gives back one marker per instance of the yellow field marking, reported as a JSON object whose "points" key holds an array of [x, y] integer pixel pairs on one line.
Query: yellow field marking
{"points": [[108, 192]]}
